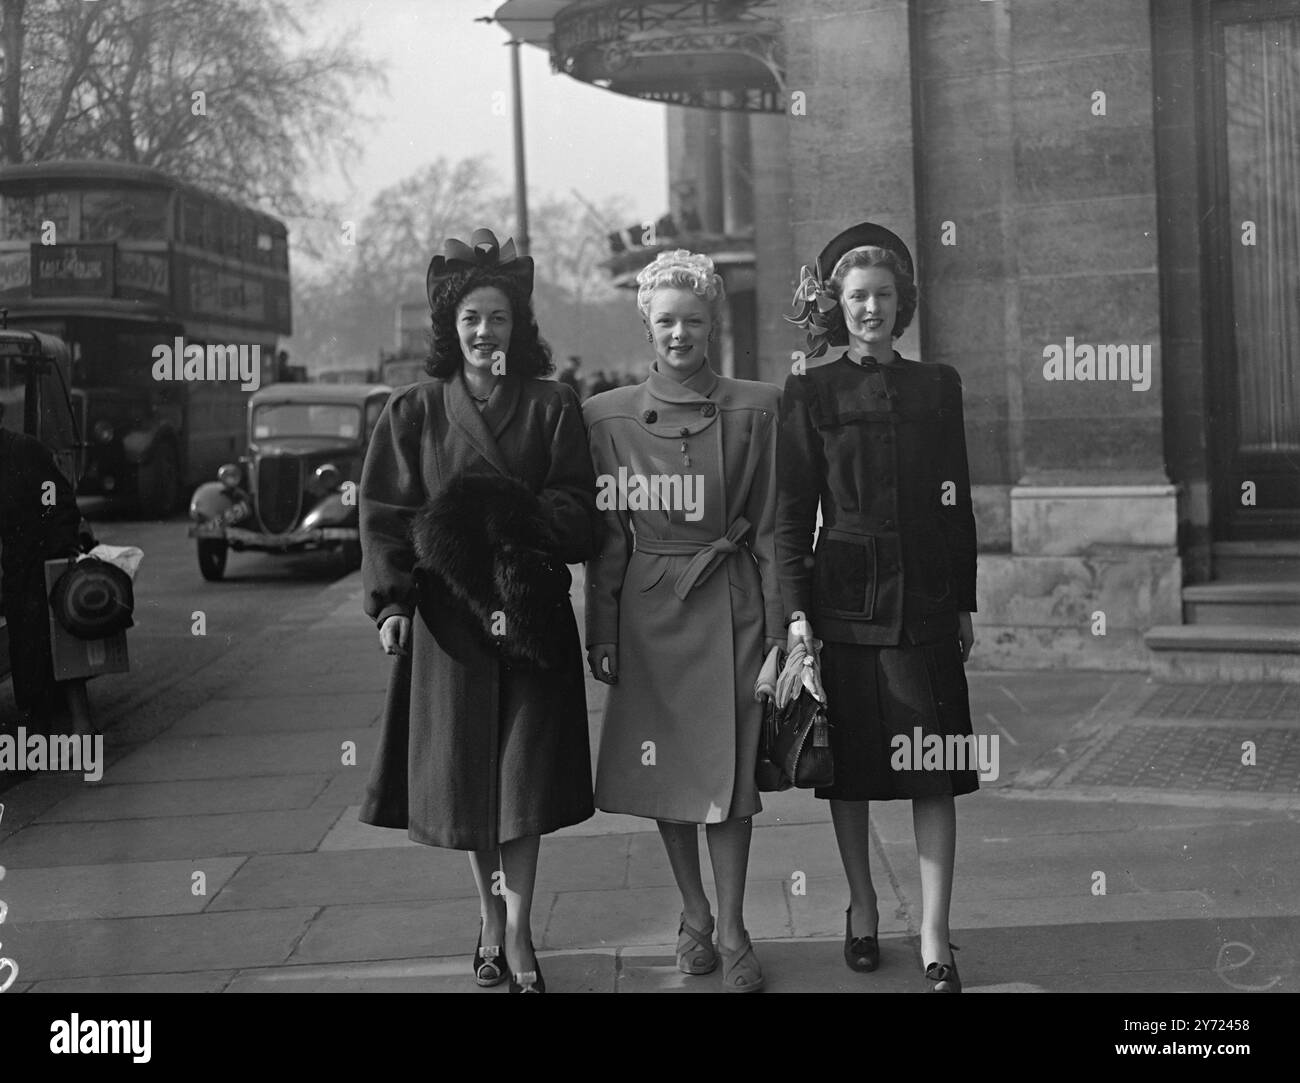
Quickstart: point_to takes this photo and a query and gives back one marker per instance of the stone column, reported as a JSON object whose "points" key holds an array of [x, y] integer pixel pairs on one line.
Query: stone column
{"points": [[737, 174], [849, 72], [776, 264], [1094, 517]]}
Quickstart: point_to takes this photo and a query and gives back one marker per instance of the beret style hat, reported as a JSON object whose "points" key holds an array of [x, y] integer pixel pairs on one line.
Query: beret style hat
{"points": [[813, 300], [483, 253]]}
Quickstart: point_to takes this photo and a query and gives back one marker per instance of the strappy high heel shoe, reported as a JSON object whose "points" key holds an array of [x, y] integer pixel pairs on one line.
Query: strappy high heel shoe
{"points": [[861, 953], [695, 951], [944, 976], [489, 963], [529, 981], [740, 970]]}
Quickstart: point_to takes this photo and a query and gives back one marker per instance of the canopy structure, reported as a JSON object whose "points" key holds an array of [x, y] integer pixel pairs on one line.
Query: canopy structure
{"points": [[712, 54]]}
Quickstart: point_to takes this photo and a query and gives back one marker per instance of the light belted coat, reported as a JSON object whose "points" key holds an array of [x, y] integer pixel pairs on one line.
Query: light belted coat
{"points": [[474, 752], [688, 603]]}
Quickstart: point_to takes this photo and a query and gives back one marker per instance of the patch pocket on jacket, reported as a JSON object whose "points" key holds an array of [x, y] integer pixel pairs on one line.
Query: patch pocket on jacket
{"points": [[844, 575]]}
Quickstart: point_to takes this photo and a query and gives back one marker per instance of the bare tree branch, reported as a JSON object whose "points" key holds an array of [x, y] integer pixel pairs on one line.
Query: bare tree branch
{"points": [[117, 81]]}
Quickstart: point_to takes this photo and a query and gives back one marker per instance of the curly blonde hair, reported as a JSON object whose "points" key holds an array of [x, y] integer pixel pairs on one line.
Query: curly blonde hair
{"points": [[681, 269]]}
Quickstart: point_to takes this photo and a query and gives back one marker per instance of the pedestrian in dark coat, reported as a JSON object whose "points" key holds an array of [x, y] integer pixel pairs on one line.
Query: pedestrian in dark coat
{"points": [[38, 522], [477, 490], [683, 599], [878, 441]]}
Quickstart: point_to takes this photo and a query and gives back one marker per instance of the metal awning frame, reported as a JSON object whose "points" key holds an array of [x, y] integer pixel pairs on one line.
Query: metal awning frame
{"points": [[611, 36]]}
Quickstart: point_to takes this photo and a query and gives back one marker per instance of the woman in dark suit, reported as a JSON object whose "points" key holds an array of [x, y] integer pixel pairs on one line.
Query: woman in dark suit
{"points": [[477, 490], [879, 441]]}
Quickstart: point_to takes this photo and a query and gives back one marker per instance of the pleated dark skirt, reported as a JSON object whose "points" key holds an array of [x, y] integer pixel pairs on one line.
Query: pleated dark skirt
{"points": [[876, 694]]}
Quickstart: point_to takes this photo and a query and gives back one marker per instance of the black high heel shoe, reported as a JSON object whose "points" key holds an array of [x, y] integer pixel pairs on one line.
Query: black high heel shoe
{"points": [[944, 976], [529, 981], [489, 963], [862, 953]]}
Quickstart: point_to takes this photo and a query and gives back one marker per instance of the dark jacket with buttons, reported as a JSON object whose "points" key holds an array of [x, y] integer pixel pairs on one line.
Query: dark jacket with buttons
{"points": [[883, 448]]}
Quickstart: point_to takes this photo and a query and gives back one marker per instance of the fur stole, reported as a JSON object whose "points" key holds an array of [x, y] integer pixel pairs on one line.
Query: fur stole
{"points": [[483, 545]]}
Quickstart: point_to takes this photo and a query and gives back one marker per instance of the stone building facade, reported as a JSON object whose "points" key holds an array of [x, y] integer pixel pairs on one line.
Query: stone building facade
{"points": [[1103, 197]]}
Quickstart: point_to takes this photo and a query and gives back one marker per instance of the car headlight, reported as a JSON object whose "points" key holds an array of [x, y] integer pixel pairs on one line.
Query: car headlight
{"points": [[327, 478], [230, 475], [103, 431]]}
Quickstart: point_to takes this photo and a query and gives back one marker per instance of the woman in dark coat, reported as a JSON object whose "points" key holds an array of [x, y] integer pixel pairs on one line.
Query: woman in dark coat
{"points": [[477, 490], [879, 441]]}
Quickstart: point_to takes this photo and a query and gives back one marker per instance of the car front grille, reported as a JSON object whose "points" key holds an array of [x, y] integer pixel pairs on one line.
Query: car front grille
{"points": [[279, 492]]}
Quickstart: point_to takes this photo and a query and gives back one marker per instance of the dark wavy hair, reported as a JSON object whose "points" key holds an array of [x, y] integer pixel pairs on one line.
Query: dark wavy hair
{"points": [[872, 256], [528, 354]]}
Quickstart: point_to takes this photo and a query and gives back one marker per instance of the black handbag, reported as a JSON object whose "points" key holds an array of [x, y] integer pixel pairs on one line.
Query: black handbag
{"points": [[794, 747]]}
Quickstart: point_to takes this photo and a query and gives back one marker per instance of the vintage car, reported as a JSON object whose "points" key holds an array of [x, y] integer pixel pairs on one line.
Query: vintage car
{"points": [[296, 488]]}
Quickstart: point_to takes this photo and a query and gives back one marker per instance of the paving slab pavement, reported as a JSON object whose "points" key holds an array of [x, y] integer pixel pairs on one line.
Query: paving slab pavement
{"points": [[1129, 880]]}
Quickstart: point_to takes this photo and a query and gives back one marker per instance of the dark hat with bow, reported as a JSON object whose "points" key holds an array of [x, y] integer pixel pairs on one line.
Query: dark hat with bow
{"points": [[813, 301], [483, 253]]}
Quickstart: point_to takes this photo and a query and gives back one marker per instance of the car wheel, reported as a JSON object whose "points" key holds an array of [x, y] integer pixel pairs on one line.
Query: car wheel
{"points": [[212, 559], [350, 553], [158, 482]]}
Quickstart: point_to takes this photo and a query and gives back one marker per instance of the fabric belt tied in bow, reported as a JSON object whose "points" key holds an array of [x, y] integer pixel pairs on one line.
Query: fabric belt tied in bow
{"points": [[704, 558]]}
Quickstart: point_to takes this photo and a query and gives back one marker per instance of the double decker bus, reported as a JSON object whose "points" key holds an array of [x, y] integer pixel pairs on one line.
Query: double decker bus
{"points": [[120, 260]]}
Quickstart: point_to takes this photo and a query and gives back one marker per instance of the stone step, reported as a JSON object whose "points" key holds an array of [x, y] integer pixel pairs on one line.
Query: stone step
{"points": [[1257, 561], [1276, 604], [1225, 652]]}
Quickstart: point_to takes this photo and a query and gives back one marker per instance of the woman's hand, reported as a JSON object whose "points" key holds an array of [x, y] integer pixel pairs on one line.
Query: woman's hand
{"points": [[800, 631], [801, 634], [603, 660], [395, 635], [965, 635]]}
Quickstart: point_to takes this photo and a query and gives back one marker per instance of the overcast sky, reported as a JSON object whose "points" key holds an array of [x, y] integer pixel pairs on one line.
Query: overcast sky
{"points": [[443, 71]]}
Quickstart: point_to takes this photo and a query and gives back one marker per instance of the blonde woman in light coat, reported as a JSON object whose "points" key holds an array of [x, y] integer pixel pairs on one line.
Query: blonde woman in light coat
{"points": [[683, 601]]}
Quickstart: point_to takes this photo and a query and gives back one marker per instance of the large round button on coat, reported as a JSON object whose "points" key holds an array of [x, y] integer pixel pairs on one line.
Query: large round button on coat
{"points": [[708, 409], [650, 417]]}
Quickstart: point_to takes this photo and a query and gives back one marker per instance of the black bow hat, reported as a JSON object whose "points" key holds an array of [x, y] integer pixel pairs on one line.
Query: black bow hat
{"points": [[860, 236], [482, 253], [813, 301]]}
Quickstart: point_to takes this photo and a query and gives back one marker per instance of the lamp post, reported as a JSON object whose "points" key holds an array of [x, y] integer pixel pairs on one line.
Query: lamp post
{"points": [[521, 187]]}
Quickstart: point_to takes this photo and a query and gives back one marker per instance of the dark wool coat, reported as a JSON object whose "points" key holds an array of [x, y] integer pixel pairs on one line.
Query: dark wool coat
{"points": [[475, 750], [687, 594], [883, 448], [32, 530]]}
